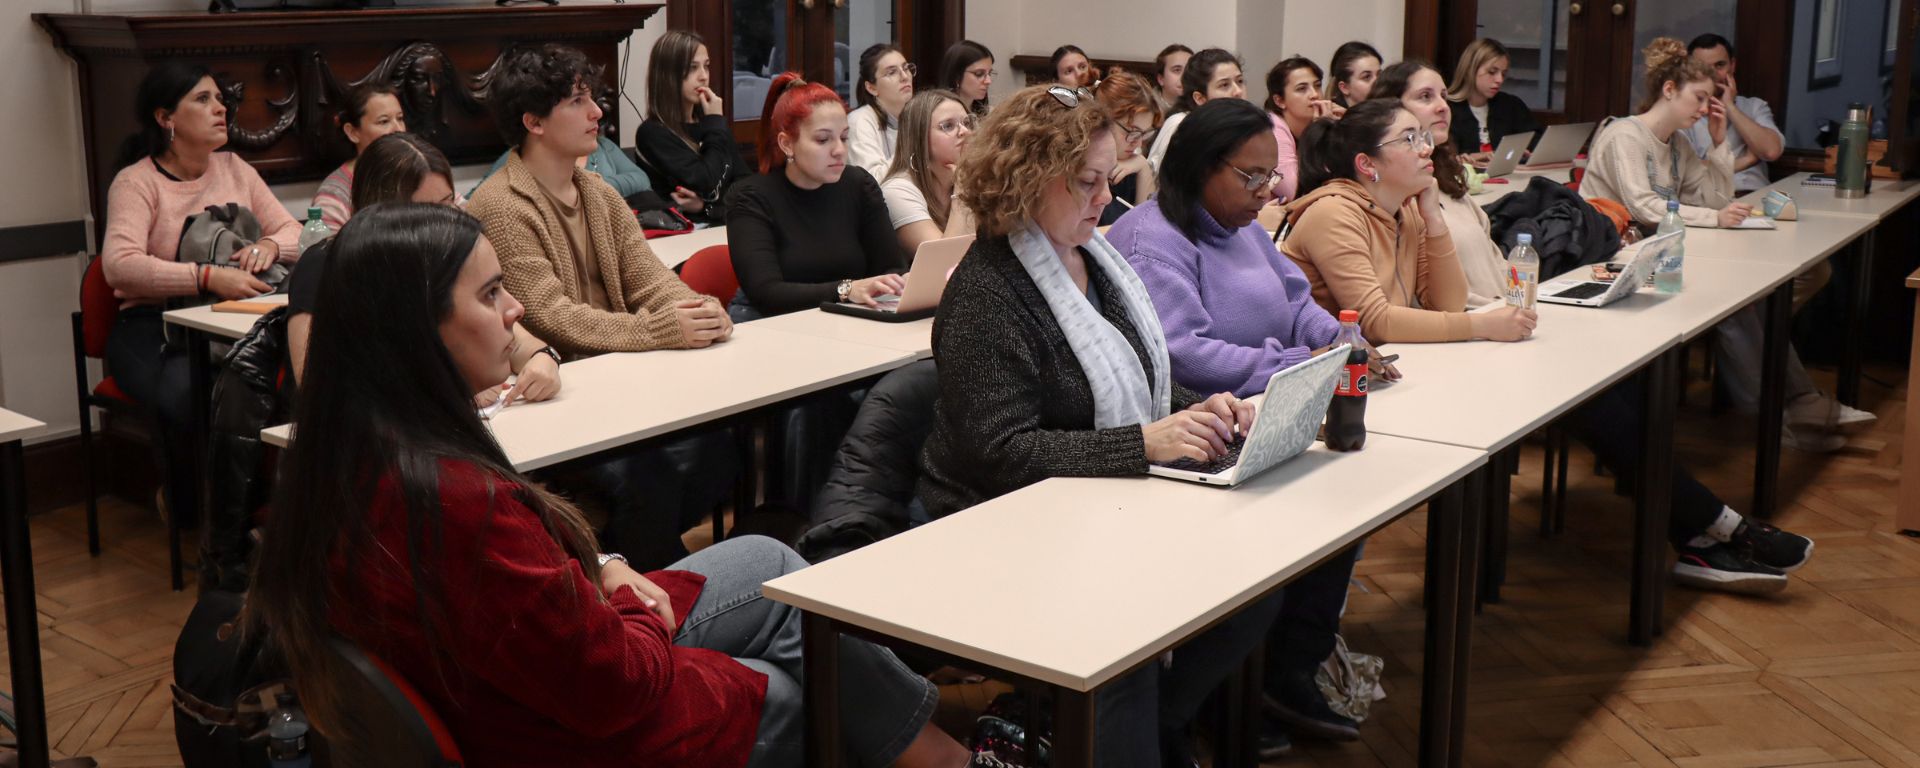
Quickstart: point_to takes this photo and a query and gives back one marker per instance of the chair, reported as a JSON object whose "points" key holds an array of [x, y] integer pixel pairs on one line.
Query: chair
{"points": [[391, 723], [92, 325], [710, 271]]}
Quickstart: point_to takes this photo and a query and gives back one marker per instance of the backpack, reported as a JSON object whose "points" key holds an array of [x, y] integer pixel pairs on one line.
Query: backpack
{"points": [[212, 237], [223, 687]]}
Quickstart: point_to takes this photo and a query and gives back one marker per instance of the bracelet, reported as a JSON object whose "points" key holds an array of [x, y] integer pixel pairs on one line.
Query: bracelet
{"points": [[205, 276], [609, 557]]}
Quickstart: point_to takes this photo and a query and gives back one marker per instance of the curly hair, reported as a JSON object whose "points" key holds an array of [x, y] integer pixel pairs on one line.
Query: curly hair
{"points": [[1668, 62], [1027, 143], [534, 81]]}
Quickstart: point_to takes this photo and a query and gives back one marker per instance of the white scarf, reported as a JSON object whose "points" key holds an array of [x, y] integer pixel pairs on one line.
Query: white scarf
{"points": [[1122, 394]]}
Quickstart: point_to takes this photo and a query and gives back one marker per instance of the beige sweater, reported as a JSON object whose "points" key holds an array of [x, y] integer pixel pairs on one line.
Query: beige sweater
{"points": [[526, 231], [1623, 153], [1480, 258], [1405, 285]]}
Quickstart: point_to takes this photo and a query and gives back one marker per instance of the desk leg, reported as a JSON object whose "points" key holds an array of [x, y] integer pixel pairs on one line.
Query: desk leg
{"points": [[820, 644], [23, 624], [743, 486], [1773, 381], [1853, 341], [1450, 590], [1496, 494], [1654, 493], [200, 382], [1073, 728]]}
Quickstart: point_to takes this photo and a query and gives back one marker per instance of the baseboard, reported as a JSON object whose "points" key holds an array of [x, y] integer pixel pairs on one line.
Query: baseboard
{"points": [[56, 470]]}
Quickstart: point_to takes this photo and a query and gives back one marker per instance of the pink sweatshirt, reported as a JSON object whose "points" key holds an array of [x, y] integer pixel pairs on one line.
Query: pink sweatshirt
{"points": [[146, 210]]}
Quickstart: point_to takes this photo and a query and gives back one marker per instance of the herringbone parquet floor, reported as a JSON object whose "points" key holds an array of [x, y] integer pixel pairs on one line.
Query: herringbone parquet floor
{"points": [[1824, 674]]}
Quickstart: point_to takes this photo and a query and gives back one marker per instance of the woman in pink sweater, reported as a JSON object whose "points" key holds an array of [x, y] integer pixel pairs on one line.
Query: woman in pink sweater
{"points": [[170, 172]]}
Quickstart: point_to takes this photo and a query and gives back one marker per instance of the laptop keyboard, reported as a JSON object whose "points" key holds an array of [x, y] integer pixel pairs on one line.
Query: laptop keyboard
{"points": [[1583, 291], [1216, 466]]}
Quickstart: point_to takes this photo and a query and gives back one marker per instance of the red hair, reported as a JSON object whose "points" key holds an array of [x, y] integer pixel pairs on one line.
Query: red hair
{"points": [[790, 101]]}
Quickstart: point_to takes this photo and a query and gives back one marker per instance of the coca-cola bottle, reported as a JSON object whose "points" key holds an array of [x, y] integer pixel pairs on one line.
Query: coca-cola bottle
{"points": [[1347, 415]]}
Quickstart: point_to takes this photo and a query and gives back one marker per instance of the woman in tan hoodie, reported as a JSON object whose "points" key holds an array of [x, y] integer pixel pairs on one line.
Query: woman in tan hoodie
{"points": [[1368, 231]]}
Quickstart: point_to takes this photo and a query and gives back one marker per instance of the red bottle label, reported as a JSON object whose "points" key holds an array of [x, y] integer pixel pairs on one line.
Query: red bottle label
{"points": [[1354, 383]]}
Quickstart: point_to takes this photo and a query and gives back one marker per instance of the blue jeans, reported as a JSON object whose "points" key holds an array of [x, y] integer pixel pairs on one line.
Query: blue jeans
{"points": [[158, 377]]}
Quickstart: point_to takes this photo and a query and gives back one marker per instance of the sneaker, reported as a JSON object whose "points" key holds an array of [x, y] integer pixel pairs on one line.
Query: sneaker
{"points": [[1811, 441], [990, 760], [1302, 708], [1813, 412], [1001, 731], [1271, 743], [1727, 568], [1773, 547]]}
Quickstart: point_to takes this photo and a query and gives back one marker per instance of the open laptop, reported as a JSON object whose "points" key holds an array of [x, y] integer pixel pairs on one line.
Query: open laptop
{"points": [[1579, 289], [932, 263], [1284, 425], [1560, 144], [1508, 154]]}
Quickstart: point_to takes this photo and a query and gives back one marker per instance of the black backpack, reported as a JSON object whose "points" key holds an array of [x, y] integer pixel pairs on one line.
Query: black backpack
{"points": [[223, 687]]}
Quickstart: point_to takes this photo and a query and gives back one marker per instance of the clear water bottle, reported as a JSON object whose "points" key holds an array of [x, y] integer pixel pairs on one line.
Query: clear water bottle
{"points": [[1667, 273], [287, 734], [315, 230], [1523, 273]]}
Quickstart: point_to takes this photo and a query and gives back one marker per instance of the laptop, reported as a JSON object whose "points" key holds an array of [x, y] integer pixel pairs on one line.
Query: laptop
{"points": [[1560, 144], [1283, 426], [932, 263], [1579, 289], [1508, 154]]}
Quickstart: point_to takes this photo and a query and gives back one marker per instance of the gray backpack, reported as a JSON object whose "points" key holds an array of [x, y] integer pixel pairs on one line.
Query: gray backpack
{"points": [[212, 237]]}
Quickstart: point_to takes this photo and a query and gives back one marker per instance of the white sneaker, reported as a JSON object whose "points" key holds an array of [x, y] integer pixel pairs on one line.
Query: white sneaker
{"points": [[1812, 441], [1814, 412]]}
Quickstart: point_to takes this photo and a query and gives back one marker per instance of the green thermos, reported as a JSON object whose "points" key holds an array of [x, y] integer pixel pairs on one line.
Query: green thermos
{"points": [[1850, 171]]}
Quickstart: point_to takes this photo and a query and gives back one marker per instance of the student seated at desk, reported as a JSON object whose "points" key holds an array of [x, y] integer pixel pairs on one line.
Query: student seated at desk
{"points": [[686, 137], [1168, 70], [170, 169], [1354, 67], [1484, 115], [401, 527], [1211, 74], [1052, 364], [1717, 547], [1130, 103], [967, 70], [810, 228], [934, 127], [1236, 312], [372, 111], [873, 130], [1370, 236], [608, 160], [1645, 160], [1293, 99], [1754, 140], [1072, 68]]}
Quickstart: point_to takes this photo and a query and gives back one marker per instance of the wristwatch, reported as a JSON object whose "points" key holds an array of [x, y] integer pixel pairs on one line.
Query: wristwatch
{"points": [[608, 557], [846, 287], [549, 351]]}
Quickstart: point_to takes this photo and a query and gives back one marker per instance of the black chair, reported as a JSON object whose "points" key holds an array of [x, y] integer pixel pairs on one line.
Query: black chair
{"points": [[391, 723]]}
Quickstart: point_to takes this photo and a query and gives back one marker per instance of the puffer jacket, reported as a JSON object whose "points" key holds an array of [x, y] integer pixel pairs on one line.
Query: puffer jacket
{"points": [[1567, 231], [248, 396], [870, 486]]}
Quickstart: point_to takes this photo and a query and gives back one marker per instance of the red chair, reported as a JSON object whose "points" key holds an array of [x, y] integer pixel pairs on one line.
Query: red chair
{"points": [[99, 308], [391, 723], [710, 272]]}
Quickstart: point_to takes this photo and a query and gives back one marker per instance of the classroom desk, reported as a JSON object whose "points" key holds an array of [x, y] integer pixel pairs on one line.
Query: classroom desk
{"points": [[1884, 198], [1106, 574], [1518, 180], [23, 619], [915, 337], [223, 325], [674, 250]]}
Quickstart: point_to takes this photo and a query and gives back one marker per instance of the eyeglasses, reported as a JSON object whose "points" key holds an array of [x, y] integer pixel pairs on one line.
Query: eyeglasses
{"points": [[982, 74], [1134, 134], [894, 73], [1070, 97], [951, 127], [1265, 179], [1415, 140]]}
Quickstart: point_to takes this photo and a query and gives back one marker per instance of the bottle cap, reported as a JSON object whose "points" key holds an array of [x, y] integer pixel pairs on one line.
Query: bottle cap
{"points": [[1349, 316], [1525, 238], [313, 213], [1673, 205]]}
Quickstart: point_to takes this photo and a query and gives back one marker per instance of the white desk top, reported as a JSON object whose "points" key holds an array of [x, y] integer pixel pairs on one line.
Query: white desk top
{"points": [[674, 249], [1800, 243], [14, 426], [1085, 577], [915, 337], [1883, 199], [225, 325], [615, 399], [1516, 181]]}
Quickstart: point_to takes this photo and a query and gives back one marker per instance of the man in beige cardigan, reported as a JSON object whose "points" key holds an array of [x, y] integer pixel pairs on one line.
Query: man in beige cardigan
{"points": [[569, 245]]}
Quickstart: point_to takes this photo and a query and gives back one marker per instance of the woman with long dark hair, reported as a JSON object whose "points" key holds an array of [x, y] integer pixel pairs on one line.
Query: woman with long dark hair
{"points": [[1211, 74], [873, 130], [1354, 67], [686, 138], [967, 69], [372, 111]]}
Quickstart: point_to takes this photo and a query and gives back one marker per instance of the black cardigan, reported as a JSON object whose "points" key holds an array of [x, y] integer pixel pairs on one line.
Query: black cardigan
{"points": [[708, 171], [1506, 115], [1014, 406]]}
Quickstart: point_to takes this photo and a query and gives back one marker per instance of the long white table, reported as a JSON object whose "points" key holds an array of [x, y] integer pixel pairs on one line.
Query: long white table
{"points": [[1518, 180], [1105, 574], [915, 337], [676, 249], [23, 620], [224, 325], [1883, 199]]}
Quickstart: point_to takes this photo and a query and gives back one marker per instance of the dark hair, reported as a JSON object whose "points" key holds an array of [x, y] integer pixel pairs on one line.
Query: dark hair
{"points": [[1199, 74], [1216, 129], [1277, 78], [1341, 67], [355, 108], [1448, 169], [953, 67], [532, 81], [1329, 146], [393, 168], [387, 285], [869, 73], [1062, 52], [1160, 61], [1710, 40], [162, 89], [668, 65]]}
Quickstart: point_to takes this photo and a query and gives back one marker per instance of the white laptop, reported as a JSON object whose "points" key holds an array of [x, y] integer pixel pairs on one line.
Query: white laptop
{"points": [[1283, 426], [926, 280], [1508, 154], [1560, 144], [1580, 289]]}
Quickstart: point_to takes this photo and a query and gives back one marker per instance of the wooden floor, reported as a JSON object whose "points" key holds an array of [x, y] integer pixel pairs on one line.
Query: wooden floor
{"points": [[1826, 673]]}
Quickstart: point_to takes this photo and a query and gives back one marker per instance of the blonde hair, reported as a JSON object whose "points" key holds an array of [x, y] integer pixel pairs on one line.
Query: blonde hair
{"points": [[1475, 57], [1027, 143], [1668, 62], [912, 159]]}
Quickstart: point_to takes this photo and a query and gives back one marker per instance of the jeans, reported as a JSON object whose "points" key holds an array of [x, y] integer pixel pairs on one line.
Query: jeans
{"points": [[160, 379], [883, 705], [1610, 426], [1738, 355], [1303, 635], [651, 495]]}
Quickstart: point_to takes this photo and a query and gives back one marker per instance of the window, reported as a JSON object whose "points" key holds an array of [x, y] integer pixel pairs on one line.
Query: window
{"points": [[1825, 67]]}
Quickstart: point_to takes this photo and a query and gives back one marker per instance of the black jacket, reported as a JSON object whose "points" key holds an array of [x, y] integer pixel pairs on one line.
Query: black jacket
{"points": [[871, 484], [1506, 114], [707, 171], [1567, 231], [1014, 406], [247, 397]]}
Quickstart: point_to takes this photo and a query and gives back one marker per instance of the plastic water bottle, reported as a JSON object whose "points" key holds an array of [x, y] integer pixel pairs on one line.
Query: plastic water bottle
{"points": [[1667, 273], [315, 230], [287, 735], [1523, 273], [1347, 414]]}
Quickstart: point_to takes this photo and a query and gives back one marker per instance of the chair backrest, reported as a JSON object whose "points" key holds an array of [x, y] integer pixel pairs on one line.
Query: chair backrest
{"points": [[710, 271], [99, 308], [392, 724]]}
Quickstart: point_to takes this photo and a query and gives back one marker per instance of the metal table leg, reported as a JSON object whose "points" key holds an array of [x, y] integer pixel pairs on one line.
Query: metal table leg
{"points": [[1653, 495], [821, 660], [1773, 374], [1853, 341], [1450, 589], [23, 624]]}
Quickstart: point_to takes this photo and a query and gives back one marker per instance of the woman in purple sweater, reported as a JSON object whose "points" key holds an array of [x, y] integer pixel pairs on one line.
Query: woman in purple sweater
{"points": [[1235, 311]]}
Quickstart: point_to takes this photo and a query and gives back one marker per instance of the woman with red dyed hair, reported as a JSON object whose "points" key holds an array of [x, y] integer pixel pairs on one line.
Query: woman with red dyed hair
{"points": [[808, 229]]}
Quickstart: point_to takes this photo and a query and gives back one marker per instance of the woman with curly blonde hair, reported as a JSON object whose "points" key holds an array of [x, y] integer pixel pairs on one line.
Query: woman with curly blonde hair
{"points": [[1052, 364]]}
